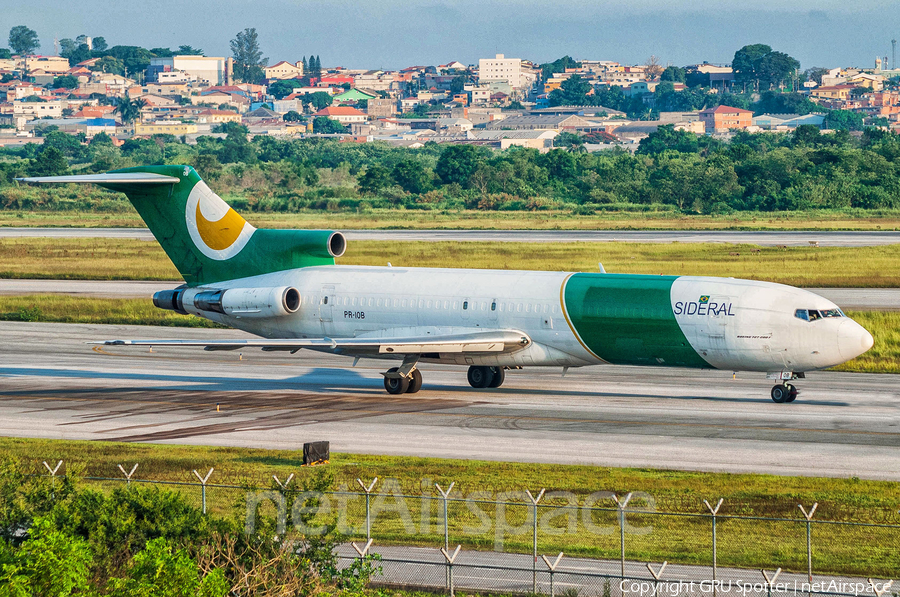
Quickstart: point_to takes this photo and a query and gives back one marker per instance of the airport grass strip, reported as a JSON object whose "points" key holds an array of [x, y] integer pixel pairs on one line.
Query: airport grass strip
{"points": [[428, 219], [743, 542], [130, 259]]}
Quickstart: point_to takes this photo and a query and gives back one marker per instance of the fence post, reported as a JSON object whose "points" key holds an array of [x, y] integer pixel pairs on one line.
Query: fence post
{"points": [[203, 481], [534, 518], [128, 475], [809, 516], [714, 511], [770, 581], [450, 560], [552, 568], [368, 490], [621, 505], [656, 576], [52, 472], [444, 495]]}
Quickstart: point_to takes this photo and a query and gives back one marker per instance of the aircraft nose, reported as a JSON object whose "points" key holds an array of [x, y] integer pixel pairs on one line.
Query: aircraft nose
{"points": [[853, 339]]}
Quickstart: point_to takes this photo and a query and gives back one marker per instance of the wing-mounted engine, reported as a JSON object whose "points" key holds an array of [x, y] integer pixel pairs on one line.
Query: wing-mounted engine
{"points": [[258, 303]]}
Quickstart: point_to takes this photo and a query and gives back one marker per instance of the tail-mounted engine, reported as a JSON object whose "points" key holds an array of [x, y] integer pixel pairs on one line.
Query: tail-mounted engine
{"points": [[261, 303]]}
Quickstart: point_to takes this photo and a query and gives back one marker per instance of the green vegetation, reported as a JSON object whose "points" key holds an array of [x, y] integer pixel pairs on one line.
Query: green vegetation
{"points": [[673, 172], [743, 543], [127, 259], [884, 357], [60, 308], [59, 537]]}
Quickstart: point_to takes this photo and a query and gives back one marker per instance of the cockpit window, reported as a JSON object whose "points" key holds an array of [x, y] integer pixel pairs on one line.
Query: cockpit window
{"points": [[814, 314]]}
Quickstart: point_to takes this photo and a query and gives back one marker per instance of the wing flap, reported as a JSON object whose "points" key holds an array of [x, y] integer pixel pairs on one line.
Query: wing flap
{"points": [[491, 341]]}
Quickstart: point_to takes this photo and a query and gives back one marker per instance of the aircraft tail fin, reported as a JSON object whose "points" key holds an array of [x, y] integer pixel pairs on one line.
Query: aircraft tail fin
{"points": [[207, 240]]}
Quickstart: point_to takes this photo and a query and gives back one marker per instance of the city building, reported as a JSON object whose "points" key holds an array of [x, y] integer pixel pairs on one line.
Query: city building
{"points": [[381, 108], [501, 68], [284, 70], [722, 119], [176, 128], [207, 69], [343, 114]]}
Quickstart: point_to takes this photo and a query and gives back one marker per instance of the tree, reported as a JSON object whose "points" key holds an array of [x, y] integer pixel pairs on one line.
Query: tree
{"points": [[65, 82], [327, 126], [49, 162], [23, 40], [673, 73], [162, 52], [652, 68], [666, 138], [318, 100], [745, 63], [134, 58], [411, 176], [129, 109], [457, 163], [186, 50], [111, 65], [248, 57], [5, 54], [572, 92], [815, 74], [99, 44], [283, 88], [374, 179], [844, 120], [558, 66], [775, 68], [292, 116]]}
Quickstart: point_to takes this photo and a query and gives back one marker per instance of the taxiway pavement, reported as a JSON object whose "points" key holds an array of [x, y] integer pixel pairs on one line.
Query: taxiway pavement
{"points": [[53, 385]]}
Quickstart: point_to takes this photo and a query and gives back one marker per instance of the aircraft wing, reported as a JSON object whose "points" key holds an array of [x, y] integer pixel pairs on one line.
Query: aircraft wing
{"points": [[486, 342]]}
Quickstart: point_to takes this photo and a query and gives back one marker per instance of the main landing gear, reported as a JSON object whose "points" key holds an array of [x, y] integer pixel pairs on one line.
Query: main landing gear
{"points": [[397, 383], [486, 377], [784, 393]]}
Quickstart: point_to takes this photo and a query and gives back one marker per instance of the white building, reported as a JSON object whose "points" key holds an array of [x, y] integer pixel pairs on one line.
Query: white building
{"points": [[502, 69], [207, 69], [52, 109]]}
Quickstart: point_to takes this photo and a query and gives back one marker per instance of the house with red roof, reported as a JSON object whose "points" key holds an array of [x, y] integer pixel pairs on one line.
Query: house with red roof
{"points": [[343, 114]]}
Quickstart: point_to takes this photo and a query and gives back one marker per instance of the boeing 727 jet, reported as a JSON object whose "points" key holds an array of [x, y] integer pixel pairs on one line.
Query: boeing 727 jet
{"points": [[284, 287]]}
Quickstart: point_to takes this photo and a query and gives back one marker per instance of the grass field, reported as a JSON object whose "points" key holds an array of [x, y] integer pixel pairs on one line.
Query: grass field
{"points": [[124, 259], [61, 308], [743, 543], [495, 220]]}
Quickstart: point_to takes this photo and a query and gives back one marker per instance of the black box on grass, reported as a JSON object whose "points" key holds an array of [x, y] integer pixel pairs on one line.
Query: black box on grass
{"points": [[316, 452]]}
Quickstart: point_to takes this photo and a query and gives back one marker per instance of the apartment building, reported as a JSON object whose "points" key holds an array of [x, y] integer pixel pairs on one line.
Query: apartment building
{"points": [[722, 119], [501, 68]]}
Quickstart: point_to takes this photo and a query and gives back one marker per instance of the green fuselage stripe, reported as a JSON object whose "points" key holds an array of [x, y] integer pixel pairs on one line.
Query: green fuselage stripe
{"points": [[627, 319]]}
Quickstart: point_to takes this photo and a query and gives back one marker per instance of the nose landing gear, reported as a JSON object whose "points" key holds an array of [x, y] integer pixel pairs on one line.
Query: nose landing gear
{"points": [[784, 393]]}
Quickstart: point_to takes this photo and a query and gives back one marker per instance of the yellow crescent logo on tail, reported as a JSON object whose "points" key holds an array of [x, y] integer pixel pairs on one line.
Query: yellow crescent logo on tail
{"points": [[217, 230], [220, 234]]}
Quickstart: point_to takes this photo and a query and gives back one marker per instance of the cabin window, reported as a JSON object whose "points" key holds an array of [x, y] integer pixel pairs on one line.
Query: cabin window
{"points": [[519, 308], [371, 302], [378, 302], [404, 304], [446, 304], [465, 305], [325, 301], [455, 305], [494, 306]]}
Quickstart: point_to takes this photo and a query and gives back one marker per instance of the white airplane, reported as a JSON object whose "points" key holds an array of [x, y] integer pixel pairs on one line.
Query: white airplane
{"points": [[283, 286]]}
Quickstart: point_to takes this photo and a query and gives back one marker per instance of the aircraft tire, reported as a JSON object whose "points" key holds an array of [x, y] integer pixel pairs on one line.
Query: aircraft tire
{"points": [[480, 377], [396, 385], [415, 382], [780, 393], [792, 393], [499, 377]]}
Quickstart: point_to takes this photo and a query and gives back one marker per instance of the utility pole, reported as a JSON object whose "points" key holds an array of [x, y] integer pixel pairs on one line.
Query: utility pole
{"points": [[893, 53]]}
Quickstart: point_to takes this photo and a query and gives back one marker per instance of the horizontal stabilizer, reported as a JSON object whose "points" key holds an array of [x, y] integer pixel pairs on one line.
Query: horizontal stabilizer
{"points": [[500, 341], [115, 178]]}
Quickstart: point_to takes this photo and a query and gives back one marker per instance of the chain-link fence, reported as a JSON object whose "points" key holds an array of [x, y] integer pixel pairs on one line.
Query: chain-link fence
{"points": [[600, 544]]}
